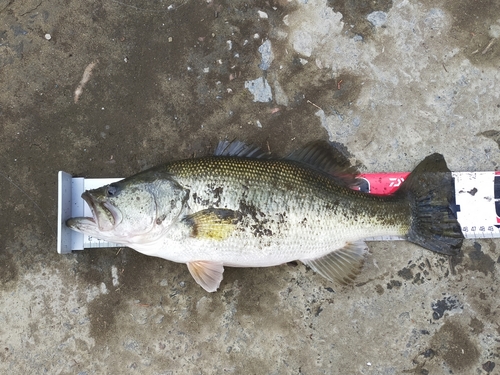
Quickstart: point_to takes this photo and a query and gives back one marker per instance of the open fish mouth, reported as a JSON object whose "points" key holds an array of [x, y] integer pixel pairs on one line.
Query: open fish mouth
{"points": [[104, 214]]}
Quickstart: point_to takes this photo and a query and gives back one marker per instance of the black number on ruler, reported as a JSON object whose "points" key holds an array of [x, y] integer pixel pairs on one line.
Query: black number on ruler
{"points": [[481, 228], [465, 229]]}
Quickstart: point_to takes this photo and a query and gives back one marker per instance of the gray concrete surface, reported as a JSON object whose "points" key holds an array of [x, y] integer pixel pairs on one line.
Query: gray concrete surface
{"points": [[391, 80]]}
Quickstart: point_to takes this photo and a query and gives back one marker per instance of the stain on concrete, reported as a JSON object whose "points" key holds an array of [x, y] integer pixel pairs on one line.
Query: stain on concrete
{"points": [[394, 284], [406, 273], [476, 325], [494, 135], [355, 14], [418, 271], [101, 312], [484, 306], [379, 289], [131, 281], [472, 22], [418, 279], [479, 261], [94, 267], [305, 83], [8, 271], [452, 344], [448, 304], [488, 366]]}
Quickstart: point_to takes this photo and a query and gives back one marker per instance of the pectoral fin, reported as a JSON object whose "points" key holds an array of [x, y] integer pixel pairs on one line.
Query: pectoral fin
{"points": [[207, 274], [342, 265], [213, 223]]}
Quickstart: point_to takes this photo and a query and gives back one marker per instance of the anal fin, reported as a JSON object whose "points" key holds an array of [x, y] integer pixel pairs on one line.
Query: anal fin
{"points": [[207, 274], [341, 265]]}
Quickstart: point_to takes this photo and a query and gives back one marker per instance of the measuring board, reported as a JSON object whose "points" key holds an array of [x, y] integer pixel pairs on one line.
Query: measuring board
{"points": [[477, 198]]}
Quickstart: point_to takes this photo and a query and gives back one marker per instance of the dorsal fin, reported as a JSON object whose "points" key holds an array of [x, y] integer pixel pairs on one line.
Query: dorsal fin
{"points": [[239, 149], [322, 156]]}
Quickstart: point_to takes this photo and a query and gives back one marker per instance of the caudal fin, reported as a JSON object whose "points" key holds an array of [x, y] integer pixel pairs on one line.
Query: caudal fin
{"points": [[431, 191]]}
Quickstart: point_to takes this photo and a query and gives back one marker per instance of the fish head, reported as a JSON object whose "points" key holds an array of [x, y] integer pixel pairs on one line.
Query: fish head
{"points": [[134, 210]]}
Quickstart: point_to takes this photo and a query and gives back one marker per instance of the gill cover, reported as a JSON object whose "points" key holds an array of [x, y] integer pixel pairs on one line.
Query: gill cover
{"points": [[147, 202]]}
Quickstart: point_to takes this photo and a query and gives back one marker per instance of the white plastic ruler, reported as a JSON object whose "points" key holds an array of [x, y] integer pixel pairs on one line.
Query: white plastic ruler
{"points": [[477, 196]]}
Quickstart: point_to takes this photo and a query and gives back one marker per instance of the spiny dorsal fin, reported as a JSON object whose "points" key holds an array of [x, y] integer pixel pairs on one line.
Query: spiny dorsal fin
{"points": [[212, 223], [342, 265], [239, 149], [321, 156], [207, 274]]}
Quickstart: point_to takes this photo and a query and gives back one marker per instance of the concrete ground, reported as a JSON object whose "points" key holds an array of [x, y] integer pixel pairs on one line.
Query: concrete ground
{"points": [[392, 81]]}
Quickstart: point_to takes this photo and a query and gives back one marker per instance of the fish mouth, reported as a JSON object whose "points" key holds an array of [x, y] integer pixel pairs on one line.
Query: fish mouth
{"points": [[104, 214]]}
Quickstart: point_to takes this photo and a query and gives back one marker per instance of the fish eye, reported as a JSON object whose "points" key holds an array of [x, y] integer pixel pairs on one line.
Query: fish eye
{"points": [[111, 191]]}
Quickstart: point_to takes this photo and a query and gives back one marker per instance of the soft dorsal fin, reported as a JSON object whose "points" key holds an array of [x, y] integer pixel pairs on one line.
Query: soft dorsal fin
{"points": [[322, 156], [207, 274], [239, 149], [342, 265]]}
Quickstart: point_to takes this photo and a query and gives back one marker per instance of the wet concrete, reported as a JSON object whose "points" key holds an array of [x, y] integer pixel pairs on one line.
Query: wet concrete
{"points": [[392, 81]]}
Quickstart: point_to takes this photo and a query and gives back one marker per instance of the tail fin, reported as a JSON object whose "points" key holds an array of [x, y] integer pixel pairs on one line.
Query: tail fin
{"points": [[431, 191]]}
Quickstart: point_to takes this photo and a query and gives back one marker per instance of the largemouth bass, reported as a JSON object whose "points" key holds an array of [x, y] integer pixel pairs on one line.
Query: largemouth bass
{"points": [[241, 208]]}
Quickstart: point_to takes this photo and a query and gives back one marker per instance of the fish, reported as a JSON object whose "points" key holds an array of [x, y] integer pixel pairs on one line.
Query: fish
{"points": [[241, 207]]}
